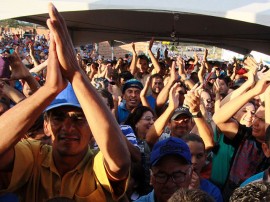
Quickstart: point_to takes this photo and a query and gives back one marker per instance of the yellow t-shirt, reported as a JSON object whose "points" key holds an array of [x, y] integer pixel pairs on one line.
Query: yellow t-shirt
{"points": [[35, 178]]}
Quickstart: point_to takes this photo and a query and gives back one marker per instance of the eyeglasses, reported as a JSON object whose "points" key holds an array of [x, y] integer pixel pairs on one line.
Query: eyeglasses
{"points": [[177, 177], [77, 118], [148, 118], [182, 120]]}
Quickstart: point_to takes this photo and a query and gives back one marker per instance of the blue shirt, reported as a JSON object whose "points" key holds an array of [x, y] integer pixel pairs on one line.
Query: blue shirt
{"points": [[147, 198], [129, 133], [255, 178], [205, 185], [122, 112], [211, 189], [152, 102], [260, 177], [9, 197]]}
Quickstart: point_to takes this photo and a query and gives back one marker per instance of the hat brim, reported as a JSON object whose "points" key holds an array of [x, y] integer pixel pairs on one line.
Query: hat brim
{"points": [[179, 114], [62, 105]]}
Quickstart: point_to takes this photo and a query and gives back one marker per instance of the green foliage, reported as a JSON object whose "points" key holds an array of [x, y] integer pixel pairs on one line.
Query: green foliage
{"points": [[9, 23], [173, 48]]}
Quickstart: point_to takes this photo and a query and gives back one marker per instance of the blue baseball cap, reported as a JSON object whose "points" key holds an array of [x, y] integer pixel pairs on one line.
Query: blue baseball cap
{"points": [[170, 146], [66, 98], [132, 83]]}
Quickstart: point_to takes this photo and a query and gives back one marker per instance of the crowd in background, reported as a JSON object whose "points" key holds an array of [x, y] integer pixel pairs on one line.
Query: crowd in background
{"points": [[218, 110]]}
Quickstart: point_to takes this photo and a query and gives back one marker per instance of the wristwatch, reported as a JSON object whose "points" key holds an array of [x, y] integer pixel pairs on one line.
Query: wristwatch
{"points": [[198, 115]]}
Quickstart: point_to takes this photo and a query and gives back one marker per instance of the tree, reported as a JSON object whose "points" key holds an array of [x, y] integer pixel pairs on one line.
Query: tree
{"points": [[9, 23]]}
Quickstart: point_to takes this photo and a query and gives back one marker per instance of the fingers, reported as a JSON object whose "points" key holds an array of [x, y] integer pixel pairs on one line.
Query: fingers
{"points": [[192, 100], [216, 86], [17, 50], [174, 88], [196, 87], [151, 43], [52, 44], [57, 25], [133, 46], [174, 96], [173, 66], [148, 81], [251, 64]]}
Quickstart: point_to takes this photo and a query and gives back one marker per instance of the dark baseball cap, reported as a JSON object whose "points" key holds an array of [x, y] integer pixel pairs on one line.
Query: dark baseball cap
{"points": [[180, 111]]}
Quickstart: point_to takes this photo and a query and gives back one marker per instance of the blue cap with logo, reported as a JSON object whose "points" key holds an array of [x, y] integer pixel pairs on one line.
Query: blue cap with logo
{"points": [[170, 146], [66, 98]]}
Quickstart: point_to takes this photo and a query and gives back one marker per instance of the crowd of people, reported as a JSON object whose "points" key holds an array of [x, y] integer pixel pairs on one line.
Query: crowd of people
{"points": [[140, 128]]}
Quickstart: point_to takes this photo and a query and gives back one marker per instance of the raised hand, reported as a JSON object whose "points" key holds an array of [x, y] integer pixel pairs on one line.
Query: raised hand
{"points": [[173, 74], [166, 53], [192, 98], [205, 55], [151, 42], [262, 71], [181, 70], [251, 64], [158, 53], [174, 96], [54, 78], [252, 76], [19, 71], [216, 87], [195, 181], [64, 47], [196, 59], [262, 84], [133, 48]]}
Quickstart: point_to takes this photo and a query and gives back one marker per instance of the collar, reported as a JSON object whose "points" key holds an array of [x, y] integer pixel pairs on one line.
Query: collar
{"points": [[49, 162]]}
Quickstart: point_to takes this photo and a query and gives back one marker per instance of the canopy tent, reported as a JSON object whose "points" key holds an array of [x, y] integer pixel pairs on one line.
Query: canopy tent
{"points": [[240, 26]]}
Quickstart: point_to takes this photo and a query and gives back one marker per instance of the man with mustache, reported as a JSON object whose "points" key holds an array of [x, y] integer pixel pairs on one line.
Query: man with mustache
{"points": [[170, 169], [68, 168]]}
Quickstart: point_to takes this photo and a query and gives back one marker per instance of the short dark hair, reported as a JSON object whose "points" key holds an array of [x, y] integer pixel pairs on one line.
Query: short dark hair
{"points": [[226, 79], [95, 65], [190, 195], [143, 57], [191, 137], [126, 75], [157, 76]]}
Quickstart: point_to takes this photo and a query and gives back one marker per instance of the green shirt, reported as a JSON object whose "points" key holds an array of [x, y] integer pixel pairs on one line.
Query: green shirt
{"points": [[222, 157]]}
